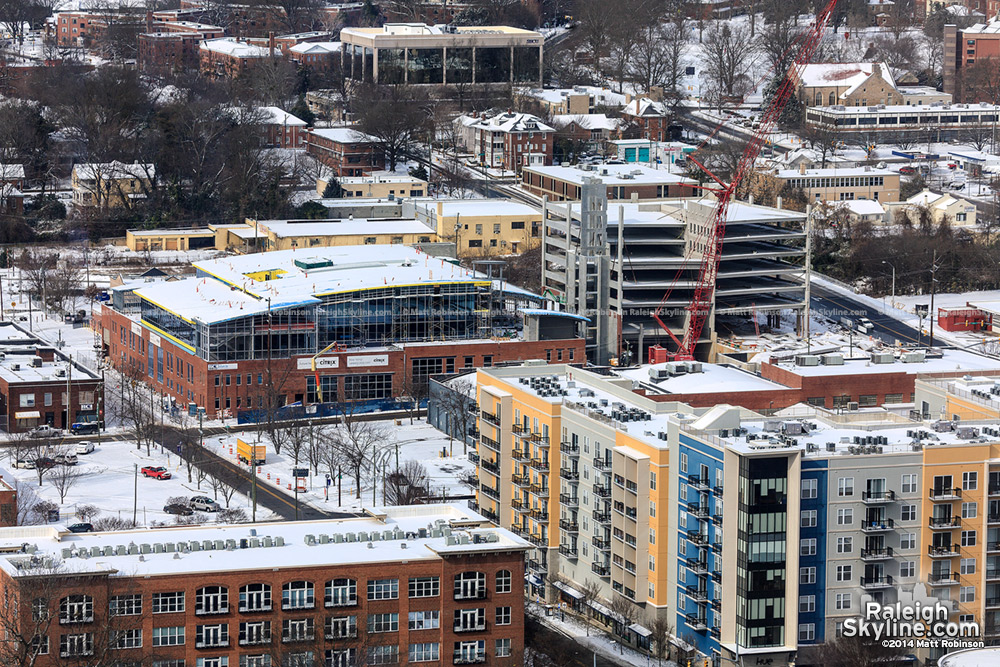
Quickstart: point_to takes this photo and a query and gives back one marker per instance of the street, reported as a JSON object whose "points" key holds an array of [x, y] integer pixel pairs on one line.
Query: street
{"points": [[561, 650], [835, 305]]}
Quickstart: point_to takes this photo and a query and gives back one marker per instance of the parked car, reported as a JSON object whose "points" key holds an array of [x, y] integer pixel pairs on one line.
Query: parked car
{"points": [[179, 509], [84, 447], [84, 428], [26, 464], [907, 170], [65, 459], [44, 431], [45, 462], [156, 472], [81, 528], [204, 504]]}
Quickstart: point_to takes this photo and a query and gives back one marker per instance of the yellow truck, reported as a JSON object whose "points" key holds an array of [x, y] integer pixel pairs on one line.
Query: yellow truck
{"points": [[246, 452]]}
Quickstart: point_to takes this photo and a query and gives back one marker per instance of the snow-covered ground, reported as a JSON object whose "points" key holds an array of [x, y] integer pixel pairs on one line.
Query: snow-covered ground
{"points": [[108, 480], [418, 442]]}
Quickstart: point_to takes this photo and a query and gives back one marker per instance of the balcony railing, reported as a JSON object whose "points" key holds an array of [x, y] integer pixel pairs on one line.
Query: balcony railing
{"points": [[569, 526], [569, 448], [290, 637], [698, 482], [255, 640], [342, 634], [876, 581], [992, 574], [474, 457], [944, 522], [696, 622], [490, 492], [521, 480], [569, 552], [520, 430], [201, 611], [540, 491], [539, 464], [994, 490], [945, 578], [537, 566], [341, 601], [945, 493], [519, 455], [697, 594], [490, 515], [697, 565], [601, 464], [992, 547], [519, 506], [881, 553], [248, 609], [876, 497], [491, 466], [877, 525], [992, 602], [490, 417], [539, 515], [479, 627], [601, 517], [942, 550], [489, 442], [71, 619], [468, 657], [993, 517], [478, 593], [600, 570], [571, 475], [602, 491], [700, 510], [540, 440], [696, 537], [569, 500], [600, 543], [211, 643]]}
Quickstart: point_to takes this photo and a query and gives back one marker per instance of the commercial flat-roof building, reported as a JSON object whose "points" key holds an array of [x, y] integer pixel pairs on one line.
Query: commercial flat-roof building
{"points": [[378, 185], [245, 330], [964, 49], [290, 234], [421, 54], [481, 226], [934, 122], [561, 183], [830, 184], [396, 585]]}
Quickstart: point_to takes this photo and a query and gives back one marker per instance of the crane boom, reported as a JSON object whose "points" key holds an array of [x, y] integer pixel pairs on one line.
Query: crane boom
{"points": [[704, 292]]}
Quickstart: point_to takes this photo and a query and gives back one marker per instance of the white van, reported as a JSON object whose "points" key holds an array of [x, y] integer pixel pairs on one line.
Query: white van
{"points": [[84, 447]]}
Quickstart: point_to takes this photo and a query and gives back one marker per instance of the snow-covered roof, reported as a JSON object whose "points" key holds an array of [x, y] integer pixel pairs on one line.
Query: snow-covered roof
{"points": [[276, 116], [343, 135], [405, 533], [230, 46], [859, 206], [11, 172], [89, 171], [513, 122], [973, 657], [590, 121], [314, 48], [474, 208], [340, 227], [932, 200], [380, 177], [713, 378], [850, 75], [950, 361], [600, 96], [613, 174], [834, 171], [643, 106]]}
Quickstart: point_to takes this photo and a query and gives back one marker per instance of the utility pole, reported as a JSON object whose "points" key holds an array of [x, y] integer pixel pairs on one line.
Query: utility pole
{"points": [[808, 291], [69, 394], [135, 491], [340, 486], [933, 313]]}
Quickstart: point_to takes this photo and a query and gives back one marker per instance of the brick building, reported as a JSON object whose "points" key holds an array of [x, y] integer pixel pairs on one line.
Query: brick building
{"points": [[398, 585], [377, 319], [33, 382], [622, 181], [652, 118], [173, 45], [230, 57], [317, 56], [964, 49], [281, 129], [8, 499], [508, 141], [345, 150]]}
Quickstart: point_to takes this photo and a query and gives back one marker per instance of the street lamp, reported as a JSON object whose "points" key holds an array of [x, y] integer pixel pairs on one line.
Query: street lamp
{"points": [[893, 297]]}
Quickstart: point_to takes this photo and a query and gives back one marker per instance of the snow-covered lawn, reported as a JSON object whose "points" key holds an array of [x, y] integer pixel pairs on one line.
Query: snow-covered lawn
{"points": [[109, 480], [418, 442]]}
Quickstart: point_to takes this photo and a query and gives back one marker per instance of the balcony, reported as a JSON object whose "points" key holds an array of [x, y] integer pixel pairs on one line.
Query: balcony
{"points": [[290, 637], [699, 483], [541, 516], [490, 418], [696, 622], [539, 464], [477, 593], [520, 431], [876, 582], [697, 594], [491, 516], [537, 566], [945, 494], [697, 565], [568, 551], [870, 555], [540, 491], [992, 547], [878, 497], [716, 604], [478, 627], [601, 464], [519, 455], [944, 522], [569, 526], [255, 639], [571, 475], [716, 631], [474, 457], [518, 506], [491, 466], [602, 491], [600, 543], [942, 550], [255, 609], [214, 611], [993, 517], [994, 490], [341, 634], [700, 510], [489, 443], [697, 537], [539, 439], [490, 492], [341, 601], [71, 619], [521, 480], [569, 448], [717, 576], [221, 642], [601, 517], [468, 658], [942, 579], [600, 570], [992, 574], [877, 525], [569, 500]]}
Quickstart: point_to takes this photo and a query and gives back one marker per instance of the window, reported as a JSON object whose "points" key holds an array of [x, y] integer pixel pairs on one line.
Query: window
{"points": [[168, 603], [39, 609], [909, 484], [908, 513], [383, 655], [383, 622], [254, 632], [845, 545], [424, 620], [470, 586], [807, 604], [907, 540], [126, 638], [807, 632], [845, 516], [341, 657], [684, 462], [172, 636], [383, 589], [297, 595], [967, 566], [425, 587], [503, 582], [810, 488], [27, 400], [503, 616], [428, 652], [40, 645], [255, 597], [211, 635], [970, 480], [842, 601], [341, 593], [298, 630], [470, 619], [808, 519], [844, 572], [76, 609], [967, 594], [968, 538], [212, 662], [341, 627], [211, 600], [125, 605], [807, 546], [969, 510], [907, 568], [807, 575], [845, 486], [263, 660], [75, 645], [503, 647]]}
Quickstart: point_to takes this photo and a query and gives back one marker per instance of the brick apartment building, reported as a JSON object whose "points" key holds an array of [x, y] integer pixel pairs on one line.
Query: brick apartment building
{"points": [[652, 118], [230, 57], [362, 354], [8, 499], [623, 181], [398, 585], [345, 150], [508, 141], [317, 56], [281, 129], [964, 49]]}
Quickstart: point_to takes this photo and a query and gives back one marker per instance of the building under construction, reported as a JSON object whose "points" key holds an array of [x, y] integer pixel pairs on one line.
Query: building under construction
{"points": [[615, 266]]}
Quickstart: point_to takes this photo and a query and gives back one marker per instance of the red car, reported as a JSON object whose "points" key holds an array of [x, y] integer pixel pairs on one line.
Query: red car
{"points": [[156, 472], [907, 170]]}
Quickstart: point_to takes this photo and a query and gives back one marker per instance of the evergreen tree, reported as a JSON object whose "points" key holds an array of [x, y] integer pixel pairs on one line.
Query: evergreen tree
{"points": [[333, 189]]}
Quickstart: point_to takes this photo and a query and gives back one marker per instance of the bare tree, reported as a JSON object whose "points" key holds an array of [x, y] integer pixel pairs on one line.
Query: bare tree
{"points": [[408, 485], [589, 592], [728, 52], [224, 480], [357, 442], [135, 403], [64, 478], [623, 614], [26, 498], [661, 631], [396, 115], [455, 400]]}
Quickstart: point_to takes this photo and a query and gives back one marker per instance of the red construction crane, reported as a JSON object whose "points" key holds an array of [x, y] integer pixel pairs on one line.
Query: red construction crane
{"points": [[701, 303]]}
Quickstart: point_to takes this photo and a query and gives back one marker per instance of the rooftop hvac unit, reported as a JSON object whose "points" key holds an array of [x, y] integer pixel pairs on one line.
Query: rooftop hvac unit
{"points": [[36, 362], [15, 367], [852, 406], [792, 428], [694, 367], [882, 358], [833, 360], [807, 360], [967, 432], [913, 357], [831, 446], [60, 372], [772, 425]]}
